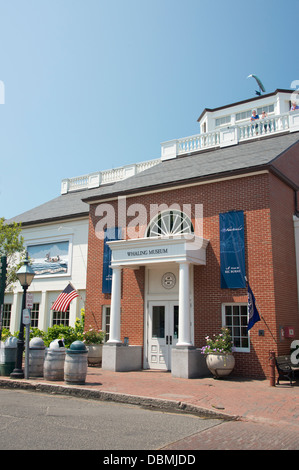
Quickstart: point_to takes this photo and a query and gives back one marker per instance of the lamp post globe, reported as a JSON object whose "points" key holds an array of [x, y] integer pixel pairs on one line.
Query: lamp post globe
{"points": [[25, 275]]}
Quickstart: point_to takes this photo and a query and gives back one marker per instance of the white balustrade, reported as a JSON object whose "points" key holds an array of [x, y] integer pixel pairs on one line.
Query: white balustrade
{"points": [[78, 182], [94, 180], [224, 136], [198, 142], [146, 165], [110, 176], [263, 127], [231, 135]]}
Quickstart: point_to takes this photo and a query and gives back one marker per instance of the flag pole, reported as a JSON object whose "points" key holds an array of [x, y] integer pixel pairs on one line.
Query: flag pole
{"points": [[85, 304], [63, 300], [266, 323]]}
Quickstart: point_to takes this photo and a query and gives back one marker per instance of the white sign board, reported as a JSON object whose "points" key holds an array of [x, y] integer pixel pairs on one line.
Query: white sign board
{"points": [[29, 300], [26, 316]]}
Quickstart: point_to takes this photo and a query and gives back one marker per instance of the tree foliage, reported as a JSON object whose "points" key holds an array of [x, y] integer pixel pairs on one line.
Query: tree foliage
{"points": [[11, 245]]}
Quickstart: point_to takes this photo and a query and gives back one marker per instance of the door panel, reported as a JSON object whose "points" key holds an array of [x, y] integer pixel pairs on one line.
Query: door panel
{"points": [[162, 333], [158, 356]]}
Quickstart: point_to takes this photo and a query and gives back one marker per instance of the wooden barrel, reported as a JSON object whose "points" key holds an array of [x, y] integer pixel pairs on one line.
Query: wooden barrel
{"points": [[54, 362], [75, 366], [36, 357], [8, 355]]}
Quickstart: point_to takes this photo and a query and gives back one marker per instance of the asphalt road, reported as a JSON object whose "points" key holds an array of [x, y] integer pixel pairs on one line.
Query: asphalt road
{"points": [[33, 421]]}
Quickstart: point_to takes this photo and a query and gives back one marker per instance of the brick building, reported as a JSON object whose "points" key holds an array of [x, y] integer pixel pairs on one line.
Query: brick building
{"points": [[155, 278], [159, 251]]}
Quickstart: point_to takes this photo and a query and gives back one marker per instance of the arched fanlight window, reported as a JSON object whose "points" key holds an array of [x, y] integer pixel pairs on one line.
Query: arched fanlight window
{"points": [[170, 222]]}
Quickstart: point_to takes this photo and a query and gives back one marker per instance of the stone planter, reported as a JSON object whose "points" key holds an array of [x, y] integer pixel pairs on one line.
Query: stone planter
{"points": [[220, 364], [95, 354]]}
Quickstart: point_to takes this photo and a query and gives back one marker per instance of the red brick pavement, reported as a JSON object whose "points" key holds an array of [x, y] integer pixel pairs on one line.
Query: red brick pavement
{"points": [[266, 417], [250, 399], [240, 435]]}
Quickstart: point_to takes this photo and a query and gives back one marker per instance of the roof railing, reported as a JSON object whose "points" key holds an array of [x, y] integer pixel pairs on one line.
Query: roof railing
{"points": [[231, 135], [94, 180]]}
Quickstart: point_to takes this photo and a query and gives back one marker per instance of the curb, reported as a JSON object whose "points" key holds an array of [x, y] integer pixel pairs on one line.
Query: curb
{"points": [[157, 404]]}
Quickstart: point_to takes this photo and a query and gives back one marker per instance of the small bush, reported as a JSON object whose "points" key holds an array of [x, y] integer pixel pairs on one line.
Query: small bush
{"points": [[5, 334], [67, 333]]}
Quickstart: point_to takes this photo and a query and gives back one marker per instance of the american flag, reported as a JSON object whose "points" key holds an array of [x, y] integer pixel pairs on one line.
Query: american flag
{"points": [[64, 299]]}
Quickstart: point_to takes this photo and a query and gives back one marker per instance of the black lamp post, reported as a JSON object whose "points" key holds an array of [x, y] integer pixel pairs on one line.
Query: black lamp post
{"points": [[25, 275]]}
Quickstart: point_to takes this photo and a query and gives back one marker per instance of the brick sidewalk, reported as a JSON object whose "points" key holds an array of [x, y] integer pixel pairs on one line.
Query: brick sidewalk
{"points": [[253, 400], [240, 435]]}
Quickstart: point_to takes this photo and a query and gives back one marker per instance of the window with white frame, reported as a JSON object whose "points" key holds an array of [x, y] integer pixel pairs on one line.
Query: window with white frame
{"points": [[243, 115], [170, 222], [267, 109], [34, 315], [106, 321], [61, 318], [6, 316], [247, 114], [235, 317], [222, 120]]}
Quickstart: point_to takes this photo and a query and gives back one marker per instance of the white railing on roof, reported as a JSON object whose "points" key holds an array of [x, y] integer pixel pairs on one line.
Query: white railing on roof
{"points": [[94, 180], [198, 142], [262, 127], [231, 135]]}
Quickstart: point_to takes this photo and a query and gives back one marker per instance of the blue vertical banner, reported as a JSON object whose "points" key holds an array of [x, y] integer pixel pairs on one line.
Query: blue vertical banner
{"points": [[113, 233], [232, 250]]}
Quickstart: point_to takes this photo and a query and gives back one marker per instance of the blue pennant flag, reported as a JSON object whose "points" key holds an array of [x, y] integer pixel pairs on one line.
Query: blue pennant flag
{"points": [[253, 314]]}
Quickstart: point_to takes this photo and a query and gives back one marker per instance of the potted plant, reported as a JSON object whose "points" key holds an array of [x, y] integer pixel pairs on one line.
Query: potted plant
{"points": [[93, 340], [219, 353]]}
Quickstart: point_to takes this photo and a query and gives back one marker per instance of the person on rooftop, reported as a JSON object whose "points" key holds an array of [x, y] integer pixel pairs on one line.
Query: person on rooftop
{"points": [[254, 117]]}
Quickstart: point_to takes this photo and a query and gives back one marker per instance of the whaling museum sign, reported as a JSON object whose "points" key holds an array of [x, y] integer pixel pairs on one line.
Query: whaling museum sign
{"points": [[157, 251], [142, 251]]}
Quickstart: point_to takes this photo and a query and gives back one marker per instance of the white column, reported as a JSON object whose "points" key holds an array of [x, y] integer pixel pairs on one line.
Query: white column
{"points": [[114, 336], [44, 312], [184, 307]]}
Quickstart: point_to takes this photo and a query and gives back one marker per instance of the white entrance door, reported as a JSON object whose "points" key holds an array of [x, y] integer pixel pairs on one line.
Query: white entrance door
{"points": [[162, 333]]}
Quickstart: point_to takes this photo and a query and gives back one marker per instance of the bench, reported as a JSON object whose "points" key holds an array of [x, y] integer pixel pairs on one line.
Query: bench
{"points": [[285, 369]]}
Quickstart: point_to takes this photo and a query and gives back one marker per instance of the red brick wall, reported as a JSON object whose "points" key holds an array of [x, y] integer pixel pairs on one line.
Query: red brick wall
{"points": [[284, 259], [263, 198], [132, 307], [287, 163], [252, 196]]}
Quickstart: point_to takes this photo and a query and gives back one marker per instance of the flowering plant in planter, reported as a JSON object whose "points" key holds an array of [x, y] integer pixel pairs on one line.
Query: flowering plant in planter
{"points": [[219, 344], [93, 336]]}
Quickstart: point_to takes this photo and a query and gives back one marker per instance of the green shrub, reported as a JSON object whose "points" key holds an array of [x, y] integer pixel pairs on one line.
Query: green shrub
{"points": [[79, 325], [93, 336], [67, 333], [36, 333], [5, 334]]}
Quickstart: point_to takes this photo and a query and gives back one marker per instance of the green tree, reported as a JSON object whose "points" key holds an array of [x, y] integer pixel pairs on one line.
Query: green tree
{"points": [[11, 245]]}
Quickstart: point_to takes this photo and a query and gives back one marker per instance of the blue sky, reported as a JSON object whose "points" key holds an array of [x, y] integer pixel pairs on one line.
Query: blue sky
{"points": [[96, 84]]}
